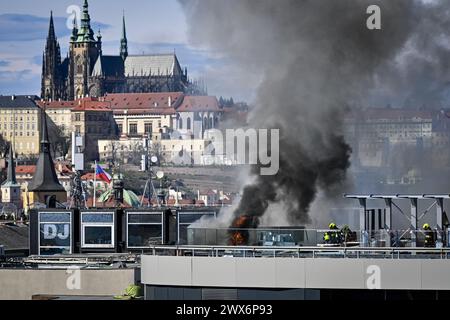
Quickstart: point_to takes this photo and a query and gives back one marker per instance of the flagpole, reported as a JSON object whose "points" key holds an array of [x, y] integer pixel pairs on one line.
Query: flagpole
{"points": [[95, 184]]}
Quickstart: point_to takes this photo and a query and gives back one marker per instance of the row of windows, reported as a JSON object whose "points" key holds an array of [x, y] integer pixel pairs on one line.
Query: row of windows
{"points": [[18, 127], [21, 119], [18, 111], [133, 127], [25, 146], [19, 134], [207, 123], [415, 125], [188, 124], [173, 147]]}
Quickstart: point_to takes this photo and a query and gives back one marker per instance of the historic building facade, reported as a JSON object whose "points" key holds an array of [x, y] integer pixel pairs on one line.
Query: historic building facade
{"points": [[88, 72], [20, 122]]}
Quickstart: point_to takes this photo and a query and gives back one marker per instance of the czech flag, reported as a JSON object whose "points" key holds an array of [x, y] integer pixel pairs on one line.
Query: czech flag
{"points": [[102, 174]]}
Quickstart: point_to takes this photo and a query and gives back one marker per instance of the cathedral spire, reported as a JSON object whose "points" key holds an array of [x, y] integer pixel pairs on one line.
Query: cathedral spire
{"points": [[86, 33], [124, 41], [45, 178], [50, 65], [74, 35], [11, 174], [51, 29]]}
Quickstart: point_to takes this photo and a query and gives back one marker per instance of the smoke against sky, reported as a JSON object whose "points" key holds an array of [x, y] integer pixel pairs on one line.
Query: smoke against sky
{"points": [[314, 60]]}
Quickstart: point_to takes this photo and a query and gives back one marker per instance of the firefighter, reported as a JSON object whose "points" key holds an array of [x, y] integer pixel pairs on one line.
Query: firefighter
{"points": [[430, 241], [333, 236]]}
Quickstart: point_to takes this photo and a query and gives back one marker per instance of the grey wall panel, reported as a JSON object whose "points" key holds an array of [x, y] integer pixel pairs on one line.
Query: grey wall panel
{"points": [[149, 270], [215, 272], [256, 272], [163, 270], [174, 269], [334, 273], [396, 274], [436, 274], [290, 273], [319, 273], [24, 283]]}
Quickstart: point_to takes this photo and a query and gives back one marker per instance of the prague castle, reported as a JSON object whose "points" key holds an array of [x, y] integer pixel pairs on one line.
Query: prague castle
{"points": [[86, 71]]}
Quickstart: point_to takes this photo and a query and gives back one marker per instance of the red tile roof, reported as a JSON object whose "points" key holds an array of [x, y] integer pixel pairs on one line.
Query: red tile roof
{"points": [[84, 104], [199, 103], [392, 114], [25, 169], [63, 170], [139, 103], [92, 104], [56, 104]]}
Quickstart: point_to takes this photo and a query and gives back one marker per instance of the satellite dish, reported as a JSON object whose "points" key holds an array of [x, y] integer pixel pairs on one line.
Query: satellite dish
{"points": [[154, 159], [160, 174]]}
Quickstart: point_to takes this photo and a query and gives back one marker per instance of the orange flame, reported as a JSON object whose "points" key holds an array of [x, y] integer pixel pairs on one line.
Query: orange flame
{"points": [[240, 237]]}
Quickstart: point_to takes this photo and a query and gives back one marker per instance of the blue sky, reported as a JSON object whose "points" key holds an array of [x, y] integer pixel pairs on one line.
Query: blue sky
{"points": [[153, 26]]}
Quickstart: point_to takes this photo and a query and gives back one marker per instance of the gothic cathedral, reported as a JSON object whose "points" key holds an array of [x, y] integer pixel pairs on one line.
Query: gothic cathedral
{"points": [[87, 72]]}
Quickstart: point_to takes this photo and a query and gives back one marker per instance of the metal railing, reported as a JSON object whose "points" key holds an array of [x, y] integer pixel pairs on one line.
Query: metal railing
{"points": [[316, 237], [301, 252]]}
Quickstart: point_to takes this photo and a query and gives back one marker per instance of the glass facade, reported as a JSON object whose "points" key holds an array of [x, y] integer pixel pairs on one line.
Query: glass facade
{"points": [[144, 229]]}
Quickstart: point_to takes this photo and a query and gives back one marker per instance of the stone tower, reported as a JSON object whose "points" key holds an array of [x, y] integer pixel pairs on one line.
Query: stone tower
{"points": [[10, 188], [45, 187], [84, 51], [52, 87]]}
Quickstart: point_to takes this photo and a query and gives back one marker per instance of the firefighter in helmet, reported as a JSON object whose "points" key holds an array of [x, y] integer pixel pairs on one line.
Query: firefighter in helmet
{"points": [[430, 241], [333, 236]]}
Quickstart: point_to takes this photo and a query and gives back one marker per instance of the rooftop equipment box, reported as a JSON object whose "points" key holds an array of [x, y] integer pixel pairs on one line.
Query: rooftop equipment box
{"points": [[187, 217], [100, 230], [53, 231]]}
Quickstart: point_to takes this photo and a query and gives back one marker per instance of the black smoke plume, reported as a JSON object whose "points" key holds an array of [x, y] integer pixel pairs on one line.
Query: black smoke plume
{"points": [[317, 60]]}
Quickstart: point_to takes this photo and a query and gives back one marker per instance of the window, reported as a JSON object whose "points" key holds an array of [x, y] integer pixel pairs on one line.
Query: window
{"points": [[144, 229], [78, 129], [97, 229], [77, 117], [120, 128], [133, 128], [180, 125], [188, 124], [186, 218], [55, 235], [148, 127], [159, 123]]}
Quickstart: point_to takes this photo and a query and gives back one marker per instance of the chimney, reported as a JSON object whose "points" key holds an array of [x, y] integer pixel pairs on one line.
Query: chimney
{"points": [[13, 97], [169, 102]]}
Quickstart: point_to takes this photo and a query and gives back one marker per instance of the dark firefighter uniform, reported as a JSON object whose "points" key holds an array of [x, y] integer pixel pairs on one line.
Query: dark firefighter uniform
{"points": [[430, 241], [333, 236]]}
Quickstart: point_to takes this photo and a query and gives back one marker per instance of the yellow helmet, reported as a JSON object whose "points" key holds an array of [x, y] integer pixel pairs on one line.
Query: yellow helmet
{"points": [[332, 225], [426, 226]]}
